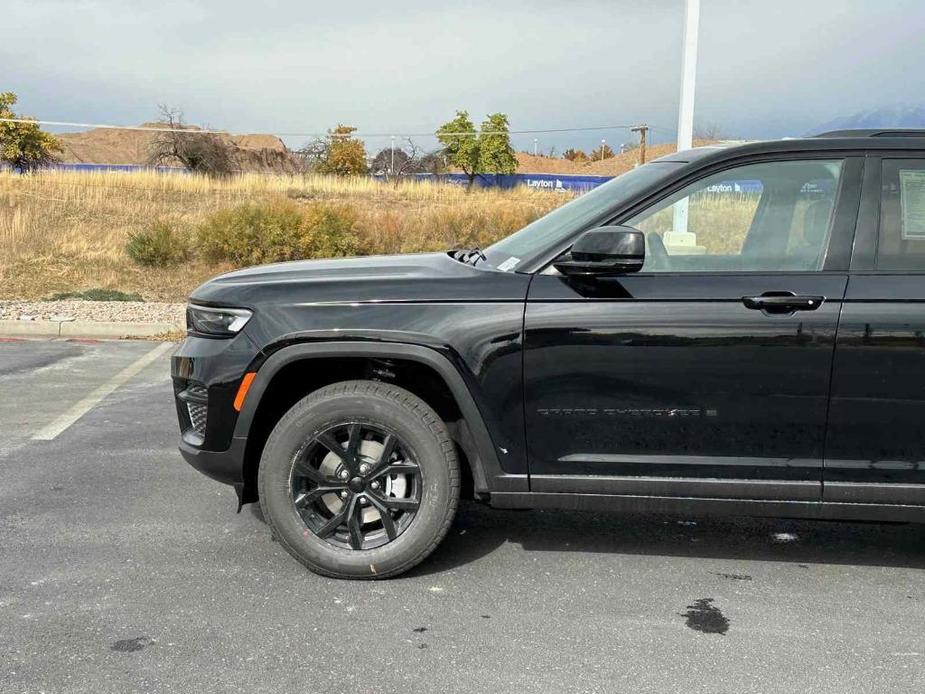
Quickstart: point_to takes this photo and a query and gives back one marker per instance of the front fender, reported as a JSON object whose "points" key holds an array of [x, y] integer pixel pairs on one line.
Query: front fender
{"points": [[487, 471]]}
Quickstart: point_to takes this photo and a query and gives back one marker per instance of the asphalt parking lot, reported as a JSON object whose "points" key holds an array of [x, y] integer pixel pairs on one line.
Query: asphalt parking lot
{"points": [[122, 569]]}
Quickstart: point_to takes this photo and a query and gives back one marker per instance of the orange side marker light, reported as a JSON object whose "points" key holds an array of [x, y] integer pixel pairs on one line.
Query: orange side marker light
{"points": [[242, 390]]}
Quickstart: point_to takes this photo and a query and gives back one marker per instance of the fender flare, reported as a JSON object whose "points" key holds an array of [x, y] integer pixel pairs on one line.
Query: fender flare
{"points": [[487, 473]]}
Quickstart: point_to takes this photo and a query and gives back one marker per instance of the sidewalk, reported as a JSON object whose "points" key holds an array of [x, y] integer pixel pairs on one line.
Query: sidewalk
{"points": [[102, 319]]}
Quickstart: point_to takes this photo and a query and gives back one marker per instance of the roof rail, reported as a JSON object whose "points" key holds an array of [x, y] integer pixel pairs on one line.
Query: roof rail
{"points": [[875, 132]]}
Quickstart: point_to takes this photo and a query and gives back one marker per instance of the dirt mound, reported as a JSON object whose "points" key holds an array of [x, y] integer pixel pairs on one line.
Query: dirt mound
{"points": [[258, 142], [255, 152], [527, 163], [104, 146], [614, 166]]}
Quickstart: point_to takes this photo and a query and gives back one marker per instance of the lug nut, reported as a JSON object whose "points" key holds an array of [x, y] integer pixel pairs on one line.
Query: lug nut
{"points": [[362, 499], [364, 468], [344, 474], [375, 485], [343, 494]]}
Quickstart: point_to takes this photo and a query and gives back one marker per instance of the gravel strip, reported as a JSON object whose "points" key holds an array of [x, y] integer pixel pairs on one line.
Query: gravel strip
{"points": [[102, 311]]}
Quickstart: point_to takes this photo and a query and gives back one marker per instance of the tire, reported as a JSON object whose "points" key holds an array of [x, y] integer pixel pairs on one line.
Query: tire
{"points": [[428, 475]]}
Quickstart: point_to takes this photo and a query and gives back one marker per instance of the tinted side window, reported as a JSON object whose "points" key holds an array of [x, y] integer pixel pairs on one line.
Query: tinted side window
{"points": [[760, 217], [901, 246]]}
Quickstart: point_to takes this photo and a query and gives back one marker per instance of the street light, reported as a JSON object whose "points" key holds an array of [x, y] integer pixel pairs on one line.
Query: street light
{"points": [[535, 141], [679, 234], [688, 75], [603, 144]]}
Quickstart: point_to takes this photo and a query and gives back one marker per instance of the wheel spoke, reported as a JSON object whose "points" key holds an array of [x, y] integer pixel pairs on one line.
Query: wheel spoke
{"points": [[335, 522], [398, 503], [348, 456], [310, 496], [399, 467], [327, 440], [353, 443], [304, 469], [388, 523], [353, 524], [388, 448]]}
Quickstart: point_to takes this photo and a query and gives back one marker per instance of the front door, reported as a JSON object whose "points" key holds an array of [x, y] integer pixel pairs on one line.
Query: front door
{"points": [[707, 373], [875, 448]]}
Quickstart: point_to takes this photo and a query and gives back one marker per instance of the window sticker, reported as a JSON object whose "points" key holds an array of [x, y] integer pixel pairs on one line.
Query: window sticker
{"points": [[509, 264], [912, 201]]}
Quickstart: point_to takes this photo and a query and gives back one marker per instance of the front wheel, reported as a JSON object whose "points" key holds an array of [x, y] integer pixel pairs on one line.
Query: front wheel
{"points": [[359, 480]]}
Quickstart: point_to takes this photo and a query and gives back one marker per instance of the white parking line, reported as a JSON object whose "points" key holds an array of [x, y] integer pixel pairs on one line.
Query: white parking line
{"points": [[49, 432]]}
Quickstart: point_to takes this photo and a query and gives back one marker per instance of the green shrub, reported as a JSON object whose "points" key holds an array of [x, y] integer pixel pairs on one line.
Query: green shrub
{"points": [[159, 245], [327, 231], [275, 231], [96, 294]]}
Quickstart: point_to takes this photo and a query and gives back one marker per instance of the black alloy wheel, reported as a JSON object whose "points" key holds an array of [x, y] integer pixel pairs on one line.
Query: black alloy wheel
{"points": [[356, 485]]}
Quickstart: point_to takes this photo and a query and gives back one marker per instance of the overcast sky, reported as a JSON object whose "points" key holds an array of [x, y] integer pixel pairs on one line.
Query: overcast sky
{"points": [[767, 68]]}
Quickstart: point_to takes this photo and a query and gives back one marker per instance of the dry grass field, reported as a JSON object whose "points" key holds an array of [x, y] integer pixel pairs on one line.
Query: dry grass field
{"points": [[67, 231], [720, 221]]}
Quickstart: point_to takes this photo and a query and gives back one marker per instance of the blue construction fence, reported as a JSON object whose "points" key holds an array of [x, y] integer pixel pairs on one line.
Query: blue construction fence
{"points": [[565, 184], [115, 168]]}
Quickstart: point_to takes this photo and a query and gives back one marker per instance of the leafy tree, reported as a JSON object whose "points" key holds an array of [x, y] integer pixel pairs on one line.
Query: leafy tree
{"points": [[205, 153], [461, 144], [495, 153], [475, 153], [433, 163], [382, 162], [24, 146], [576, 155], [343, 154], [602, 152]]}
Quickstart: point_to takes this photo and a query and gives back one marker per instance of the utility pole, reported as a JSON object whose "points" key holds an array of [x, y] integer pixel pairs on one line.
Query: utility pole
{"points": [[535, 143], [642, 130], [603, 144]]}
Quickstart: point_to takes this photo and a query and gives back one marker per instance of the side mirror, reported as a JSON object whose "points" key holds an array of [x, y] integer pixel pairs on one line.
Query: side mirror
{"points": [[605, 251]]}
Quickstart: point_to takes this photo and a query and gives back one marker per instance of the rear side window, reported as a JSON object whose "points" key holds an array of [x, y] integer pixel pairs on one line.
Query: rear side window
{"points": [[901, 246]]}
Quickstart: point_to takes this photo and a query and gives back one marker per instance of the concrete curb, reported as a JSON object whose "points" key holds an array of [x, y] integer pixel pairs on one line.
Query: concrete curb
{"points": [[84, 328]]}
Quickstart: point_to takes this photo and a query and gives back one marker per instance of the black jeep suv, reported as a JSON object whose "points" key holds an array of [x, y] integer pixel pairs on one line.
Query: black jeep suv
{"points": [[724, 330]]}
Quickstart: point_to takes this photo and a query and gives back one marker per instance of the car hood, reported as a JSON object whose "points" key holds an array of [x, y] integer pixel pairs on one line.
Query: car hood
{"points": [[412, 277]]}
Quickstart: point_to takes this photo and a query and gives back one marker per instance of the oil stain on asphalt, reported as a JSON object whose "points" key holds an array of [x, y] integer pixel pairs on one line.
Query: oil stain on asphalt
{"points": [[733, 577], [705, 617], [131, 645]]}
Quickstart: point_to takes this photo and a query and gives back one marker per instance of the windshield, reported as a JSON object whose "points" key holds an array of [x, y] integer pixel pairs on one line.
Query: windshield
{"points": [[547, 231]]}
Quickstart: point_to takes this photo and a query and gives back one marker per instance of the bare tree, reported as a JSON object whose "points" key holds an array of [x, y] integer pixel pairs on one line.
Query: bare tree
{"points": [[404, 161], [313, 153], [709, 130], [200, 152]]}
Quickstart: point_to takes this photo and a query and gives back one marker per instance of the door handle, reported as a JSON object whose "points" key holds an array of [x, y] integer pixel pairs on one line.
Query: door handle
{"points": [[782, 302]]}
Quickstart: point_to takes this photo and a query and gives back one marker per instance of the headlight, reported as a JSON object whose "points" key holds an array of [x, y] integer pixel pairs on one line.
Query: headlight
{"points": [[220, 322]]}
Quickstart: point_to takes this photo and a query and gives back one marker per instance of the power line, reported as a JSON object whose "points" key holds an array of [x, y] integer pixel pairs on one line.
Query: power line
{"points": [[156, 129]]}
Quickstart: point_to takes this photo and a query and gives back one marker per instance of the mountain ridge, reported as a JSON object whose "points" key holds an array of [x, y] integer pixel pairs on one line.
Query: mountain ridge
{"points": [[894, 116]]}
